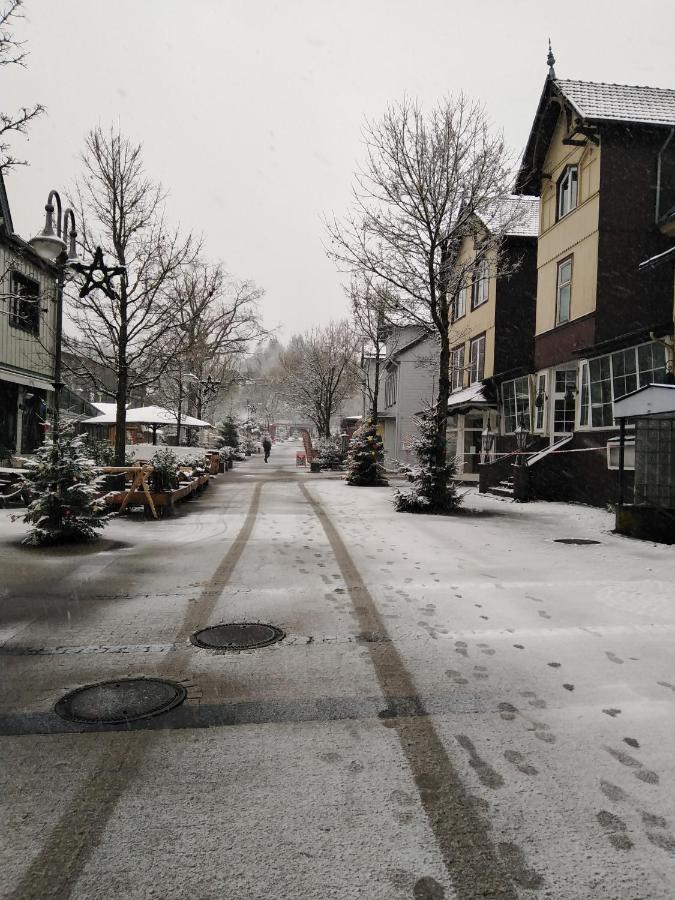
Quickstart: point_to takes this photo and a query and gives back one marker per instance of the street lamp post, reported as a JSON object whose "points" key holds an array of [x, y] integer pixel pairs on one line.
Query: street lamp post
{"points": [[50, 245]]}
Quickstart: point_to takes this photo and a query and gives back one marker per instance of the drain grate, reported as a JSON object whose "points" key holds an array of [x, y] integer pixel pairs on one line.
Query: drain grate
{"points": [[114, 702], [237, 636], [580, 541]]}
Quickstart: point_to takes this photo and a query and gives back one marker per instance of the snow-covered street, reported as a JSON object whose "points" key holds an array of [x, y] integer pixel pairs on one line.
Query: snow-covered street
{"points": [[461, 706]]}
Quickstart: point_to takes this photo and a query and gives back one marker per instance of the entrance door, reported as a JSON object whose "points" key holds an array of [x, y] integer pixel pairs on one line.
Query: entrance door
{"points": [[563, 408], [473, 431]]}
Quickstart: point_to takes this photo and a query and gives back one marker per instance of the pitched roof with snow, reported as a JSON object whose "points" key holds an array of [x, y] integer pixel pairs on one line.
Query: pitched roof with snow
{"points": [[517, 217], [619, 102], [590, 102]]}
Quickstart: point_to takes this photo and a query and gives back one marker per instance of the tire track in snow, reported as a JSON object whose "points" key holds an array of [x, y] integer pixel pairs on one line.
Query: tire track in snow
{"points": [[59, 863], [470, 857]]}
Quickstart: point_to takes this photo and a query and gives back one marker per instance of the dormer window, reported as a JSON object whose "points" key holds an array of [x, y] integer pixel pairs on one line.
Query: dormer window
{"points": [[568, 190]]}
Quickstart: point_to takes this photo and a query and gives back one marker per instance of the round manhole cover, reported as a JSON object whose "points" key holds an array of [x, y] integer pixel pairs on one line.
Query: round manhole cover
{"points": [[113, 702], [579, 541], [237, 636]]}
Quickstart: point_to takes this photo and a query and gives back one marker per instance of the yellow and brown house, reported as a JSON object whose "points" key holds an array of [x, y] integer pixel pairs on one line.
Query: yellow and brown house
{"points": [[601, 160]]}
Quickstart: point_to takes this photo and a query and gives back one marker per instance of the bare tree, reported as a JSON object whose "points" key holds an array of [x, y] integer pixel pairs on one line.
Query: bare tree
{"points": [[263, 382], [426, 179], [216, 322], [320, 371], [122, 211], [370, 303], [13, 53]]}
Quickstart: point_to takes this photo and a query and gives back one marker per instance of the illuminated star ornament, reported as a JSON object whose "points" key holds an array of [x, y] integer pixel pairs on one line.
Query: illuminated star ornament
{"points": [[98, 276]]}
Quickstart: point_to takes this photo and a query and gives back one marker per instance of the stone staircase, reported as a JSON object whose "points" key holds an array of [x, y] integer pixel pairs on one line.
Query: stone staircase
{"points": [[503, 489]]}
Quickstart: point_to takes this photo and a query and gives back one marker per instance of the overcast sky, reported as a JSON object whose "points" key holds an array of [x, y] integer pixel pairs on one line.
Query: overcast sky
{"points": [[250, 113]]}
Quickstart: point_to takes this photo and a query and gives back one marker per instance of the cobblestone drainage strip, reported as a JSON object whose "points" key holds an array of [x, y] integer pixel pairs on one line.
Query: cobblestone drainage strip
{"points": [[237, 636], [116, 702], [579, 541]]}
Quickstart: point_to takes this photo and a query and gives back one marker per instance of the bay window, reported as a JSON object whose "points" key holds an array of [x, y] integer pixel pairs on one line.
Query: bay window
{"points": [[606, 378], [516, 403]]}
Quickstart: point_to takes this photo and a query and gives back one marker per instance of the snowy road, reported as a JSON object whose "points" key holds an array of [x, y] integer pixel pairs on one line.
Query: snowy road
{"points": [[460, 708]]}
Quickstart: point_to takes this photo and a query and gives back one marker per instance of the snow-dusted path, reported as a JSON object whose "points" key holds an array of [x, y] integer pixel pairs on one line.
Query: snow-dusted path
{"points": [[461, 707]]}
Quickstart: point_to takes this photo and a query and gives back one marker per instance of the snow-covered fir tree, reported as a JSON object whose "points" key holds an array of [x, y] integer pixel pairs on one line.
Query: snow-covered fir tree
{"points": [[365, 460], [229, 436], [61, 480], [428, 476]]}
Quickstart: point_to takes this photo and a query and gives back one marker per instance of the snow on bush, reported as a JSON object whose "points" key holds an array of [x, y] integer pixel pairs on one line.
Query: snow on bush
{"points": [[434, 490], [62, 484], [365, 459]]}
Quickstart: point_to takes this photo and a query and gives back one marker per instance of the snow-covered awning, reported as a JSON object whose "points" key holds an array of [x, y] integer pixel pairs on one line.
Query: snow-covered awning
{"points": [[473, 397], [650, 400], [105, 408], [149, 415]]}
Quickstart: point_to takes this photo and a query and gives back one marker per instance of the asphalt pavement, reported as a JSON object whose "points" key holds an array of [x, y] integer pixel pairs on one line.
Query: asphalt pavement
{"points": [[458, 707]]}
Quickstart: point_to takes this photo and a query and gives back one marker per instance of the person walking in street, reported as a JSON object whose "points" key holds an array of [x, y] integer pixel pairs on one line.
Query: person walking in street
{"points": [[267, 446]]}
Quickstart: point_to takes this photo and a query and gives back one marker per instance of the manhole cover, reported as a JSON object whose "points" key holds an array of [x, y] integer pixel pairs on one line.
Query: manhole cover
{"points": [[113, 702], [237, 636], [579, 541]]}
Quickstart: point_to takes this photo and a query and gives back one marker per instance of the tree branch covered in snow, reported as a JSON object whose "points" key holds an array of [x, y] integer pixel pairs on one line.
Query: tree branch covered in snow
{"points": [[427, 180], [122, 210], [320, 370]]}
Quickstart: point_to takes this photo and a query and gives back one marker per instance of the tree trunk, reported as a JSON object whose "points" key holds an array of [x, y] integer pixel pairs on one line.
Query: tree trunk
{"points": [[441, 484], [121, 414], [180, 411], [376, 389], [122, 381]]}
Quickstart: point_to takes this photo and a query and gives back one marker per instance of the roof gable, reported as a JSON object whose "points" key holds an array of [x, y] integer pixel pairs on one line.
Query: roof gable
{"points": [[589, 102]]}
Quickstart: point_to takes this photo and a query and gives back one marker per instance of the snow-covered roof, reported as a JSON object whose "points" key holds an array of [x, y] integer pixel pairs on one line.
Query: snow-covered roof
{"points": [[106, 408], [518, 216], [619, 102], [473, 397], [149, 415], [650, 400], [590, 102]]}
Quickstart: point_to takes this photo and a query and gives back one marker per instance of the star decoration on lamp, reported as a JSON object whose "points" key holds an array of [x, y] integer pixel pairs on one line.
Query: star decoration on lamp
{"points": [[97, 275]]}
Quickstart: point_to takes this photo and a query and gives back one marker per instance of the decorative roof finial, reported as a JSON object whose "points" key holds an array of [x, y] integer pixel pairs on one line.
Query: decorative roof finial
{"points": [[550, 61]]}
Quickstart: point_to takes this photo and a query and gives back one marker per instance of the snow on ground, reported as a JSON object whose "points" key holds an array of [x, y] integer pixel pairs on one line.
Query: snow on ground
{"points": [[545, 670]]}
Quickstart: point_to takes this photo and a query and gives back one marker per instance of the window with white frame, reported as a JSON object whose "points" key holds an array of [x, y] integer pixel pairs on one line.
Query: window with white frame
{"points": [[564, 400], [460, 303], [568, 190], [477, 359], [390, 389], [540, 403], [563, 301], [606, 378], [481, 281], [516, 403], [457, 368]]}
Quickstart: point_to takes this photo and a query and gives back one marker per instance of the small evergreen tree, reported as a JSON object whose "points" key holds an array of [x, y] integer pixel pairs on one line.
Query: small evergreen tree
{"points": [[229, 436], [365, 460], [61, 481], [430, 481]]}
